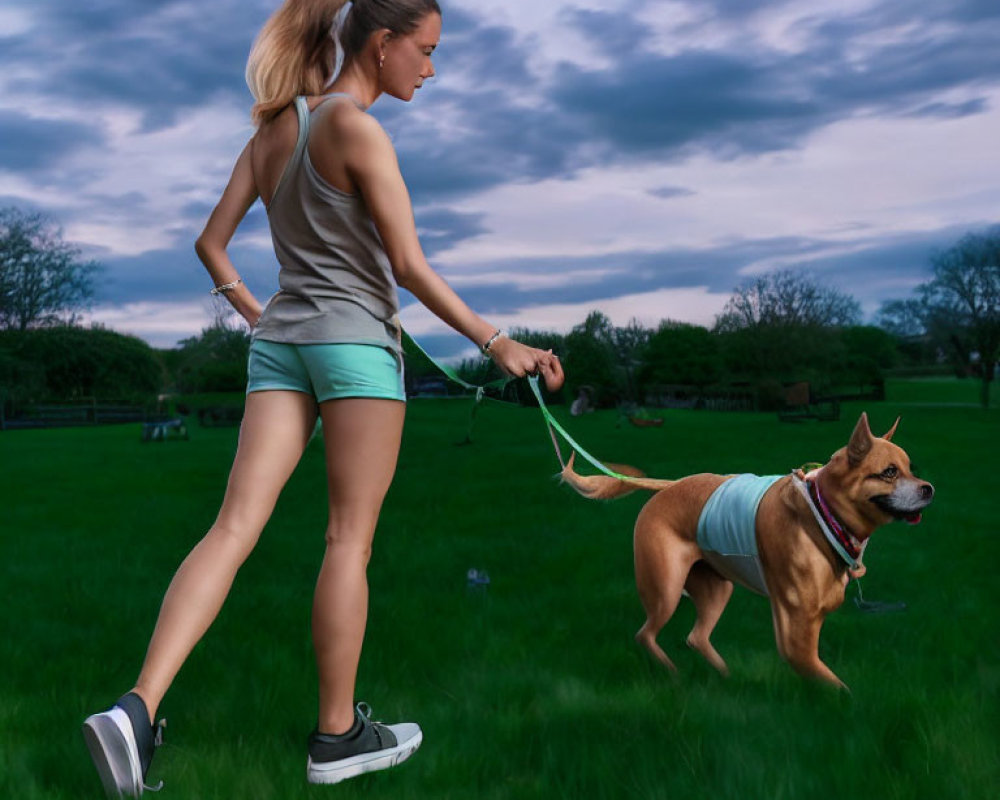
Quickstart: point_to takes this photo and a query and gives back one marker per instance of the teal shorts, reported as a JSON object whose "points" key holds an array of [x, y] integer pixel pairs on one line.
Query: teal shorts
{"points": [[326, 371]]}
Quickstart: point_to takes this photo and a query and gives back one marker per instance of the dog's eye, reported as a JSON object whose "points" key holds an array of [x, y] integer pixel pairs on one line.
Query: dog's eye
{"points": [[890, 472]]}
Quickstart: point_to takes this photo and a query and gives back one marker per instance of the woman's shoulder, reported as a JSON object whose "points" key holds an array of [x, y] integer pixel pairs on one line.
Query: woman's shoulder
{"points": [[340, 120]]}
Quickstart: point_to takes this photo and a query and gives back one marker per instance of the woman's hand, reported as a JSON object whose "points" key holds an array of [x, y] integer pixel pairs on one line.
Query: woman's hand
{"points": [[552, 372], [251, 311], [519, 360]]}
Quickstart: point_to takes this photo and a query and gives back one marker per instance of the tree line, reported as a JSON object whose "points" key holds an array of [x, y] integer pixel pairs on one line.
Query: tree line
{"points": [[787, 326], [776, 328]]}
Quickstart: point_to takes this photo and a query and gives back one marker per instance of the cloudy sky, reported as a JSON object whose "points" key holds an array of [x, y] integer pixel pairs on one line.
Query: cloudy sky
{"points": [[640, 157]]}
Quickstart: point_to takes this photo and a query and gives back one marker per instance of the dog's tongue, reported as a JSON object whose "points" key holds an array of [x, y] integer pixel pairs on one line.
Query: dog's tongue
{"points": [[914, 519]]}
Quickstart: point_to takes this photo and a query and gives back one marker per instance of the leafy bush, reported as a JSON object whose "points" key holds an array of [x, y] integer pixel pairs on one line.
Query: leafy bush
{"points": [[214, 361], [678, 353], [67, 363]]}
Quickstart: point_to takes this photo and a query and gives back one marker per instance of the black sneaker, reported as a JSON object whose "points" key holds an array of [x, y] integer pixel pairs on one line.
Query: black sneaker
{"points": [[121, 743], [366, 747]]}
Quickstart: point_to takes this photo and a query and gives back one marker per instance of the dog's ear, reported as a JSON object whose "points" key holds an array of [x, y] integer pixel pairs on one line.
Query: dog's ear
{"points": [[861, 441], [892, 430]]}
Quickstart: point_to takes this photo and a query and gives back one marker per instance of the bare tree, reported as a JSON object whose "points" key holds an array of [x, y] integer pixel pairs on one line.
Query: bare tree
{"points": [[787, 298], [965, 295], [42, 278], [903, 318], [922, 338]]}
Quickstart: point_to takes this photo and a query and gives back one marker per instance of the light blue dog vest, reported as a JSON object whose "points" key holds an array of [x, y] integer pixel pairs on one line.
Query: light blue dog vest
{"points": [[727, 529]]}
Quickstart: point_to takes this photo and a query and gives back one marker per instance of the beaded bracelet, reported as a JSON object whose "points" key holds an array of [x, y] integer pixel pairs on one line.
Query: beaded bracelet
{"points": [[226, 287]]}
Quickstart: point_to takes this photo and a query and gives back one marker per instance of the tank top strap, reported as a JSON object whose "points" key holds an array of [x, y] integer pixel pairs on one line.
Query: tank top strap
{"points": [[302, 111], [295, 158]]}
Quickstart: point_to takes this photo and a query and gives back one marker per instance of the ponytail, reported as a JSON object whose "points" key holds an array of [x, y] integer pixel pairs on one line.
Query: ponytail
{"points": [[294, 54], [296, 50]]}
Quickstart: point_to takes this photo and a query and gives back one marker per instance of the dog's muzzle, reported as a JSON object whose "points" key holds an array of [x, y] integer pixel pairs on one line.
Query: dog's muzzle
{"points": [[906, 501]]}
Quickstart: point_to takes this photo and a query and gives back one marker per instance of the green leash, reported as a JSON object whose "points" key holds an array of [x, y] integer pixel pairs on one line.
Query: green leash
{"points": [[410, 343], [451, 374], [552, 424]]}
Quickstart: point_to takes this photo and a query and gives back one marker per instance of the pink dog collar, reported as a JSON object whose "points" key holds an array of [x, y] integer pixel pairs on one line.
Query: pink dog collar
{"points": [[839, 537]]}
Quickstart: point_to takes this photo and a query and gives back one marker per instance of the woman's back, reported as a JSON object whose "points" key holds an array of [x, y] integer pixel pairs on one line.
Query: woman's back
{"points": [[275, 142], [336, 280]]}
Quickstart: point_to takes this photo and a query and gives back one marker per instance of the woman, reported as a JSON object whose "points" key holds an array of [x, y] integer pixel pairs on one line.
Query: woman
{"points": [[327, 344]]}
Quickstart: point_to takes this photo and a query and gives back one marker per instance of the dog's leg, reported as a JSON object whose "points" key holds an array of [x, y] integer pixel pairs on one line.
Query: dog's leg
{"points": [[709, 592], [662, 564], [797, 635], [646, 636]]}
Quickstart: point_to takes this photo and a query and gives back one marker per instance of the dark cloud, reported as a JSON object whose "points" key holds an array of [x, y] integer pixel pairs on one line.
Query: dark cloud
{"points": [[872, 269], [899, 75], [875, 269], [737, 9], [882, 268], [594, 278], [647, 105], [491, 56], [441, 228], [975, 11], [157, 276], [176, 274], [503, 137], [753, 101], [612, 32], [683, 100], [30, 143], [943, 110], [501, 143], [666, 192], [168, 57], [162, 57]]}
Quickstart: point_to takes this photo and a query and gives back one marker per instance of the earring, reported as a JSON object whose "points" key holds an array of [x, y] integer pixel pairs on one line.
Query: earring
{"points": [[381, 61]]}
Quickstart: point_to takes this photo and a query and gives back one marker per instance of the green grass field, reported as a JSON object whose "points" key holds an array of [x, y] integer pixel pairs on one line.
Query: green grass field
{"points": [[532, 688]]}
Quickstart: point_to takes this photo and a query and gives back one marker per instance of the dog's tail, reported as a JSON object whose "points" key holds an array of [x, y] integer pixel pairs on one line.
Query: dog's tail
{"points": [[604, 487]]}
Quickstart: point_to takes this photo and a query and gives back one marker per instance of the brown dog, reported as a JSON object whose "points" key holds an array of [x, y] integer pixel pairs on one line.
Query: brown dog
{"points": [[803, 534]]}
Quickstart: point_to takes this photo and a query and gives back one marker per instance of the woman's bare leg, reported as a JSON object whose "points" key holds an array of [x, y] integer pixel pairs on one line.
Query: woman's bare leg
{"points": [[362, 439], [276, 427]]}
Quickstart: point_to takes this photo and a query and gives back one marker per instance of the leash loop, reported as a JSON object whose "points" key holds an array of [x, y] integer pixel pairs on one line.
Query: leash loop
{"points": [[553, 425]]}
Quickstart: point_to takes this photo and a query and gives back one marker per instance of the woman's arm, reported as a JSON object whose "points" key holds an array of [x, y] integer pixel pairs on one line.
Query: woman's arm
{"points": [[372, 165], [240, 193]]}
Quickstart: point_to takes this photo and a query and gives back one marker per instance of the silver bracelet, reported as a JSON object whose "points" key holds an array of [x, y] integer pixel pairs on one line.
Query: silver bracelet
{"points": [[226, 287], [489, 342]]}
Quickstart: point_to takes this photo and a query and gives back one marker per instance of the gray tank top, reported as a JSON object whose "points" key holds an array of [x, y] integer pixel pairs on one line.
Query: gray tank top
{"points": [[335, 278]]}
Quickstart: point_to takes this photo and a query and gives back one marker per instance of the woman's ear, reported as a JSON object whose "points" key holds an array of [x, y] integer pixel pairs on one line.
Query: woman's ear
{"points": [[377, 43], [381, 38]]}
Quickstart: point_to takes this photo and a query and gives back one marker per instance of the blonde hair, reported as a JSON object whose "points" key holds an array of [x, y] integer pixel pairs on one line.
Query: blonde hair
{"points": [[295, 52]]}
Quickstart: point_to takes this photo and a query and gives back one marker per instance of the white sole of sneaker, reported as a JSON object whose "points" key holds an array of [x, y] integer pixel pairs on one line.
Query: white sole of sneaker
{"points": [[112, 746], [337, 771]]}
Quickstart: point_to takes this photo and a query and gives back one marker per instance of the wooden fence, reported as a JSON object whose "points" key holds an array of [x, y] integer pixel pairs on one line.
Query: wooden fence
{"points": [[63, 416]]}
